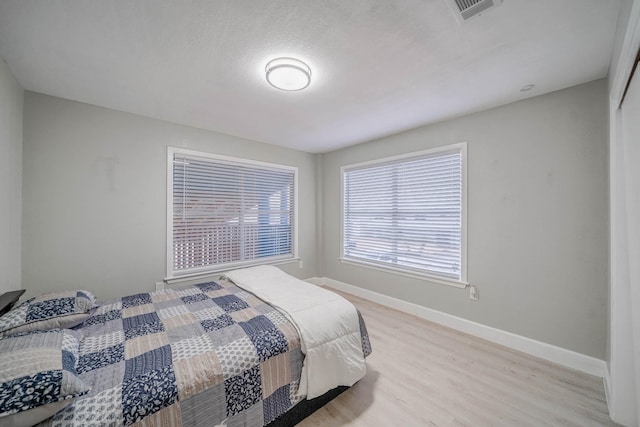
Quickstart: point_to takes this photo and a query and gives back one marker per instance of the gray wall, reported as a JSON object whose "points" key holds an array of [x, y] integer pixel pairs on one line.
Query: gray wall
{"points": [[94, 208], [95, 195], [11, 99], [537, 218]]}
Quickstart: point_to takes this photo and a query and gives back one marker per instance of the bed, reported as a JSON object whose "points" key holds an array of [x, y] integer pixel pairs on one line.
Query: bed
{"points": [[208, 354]]}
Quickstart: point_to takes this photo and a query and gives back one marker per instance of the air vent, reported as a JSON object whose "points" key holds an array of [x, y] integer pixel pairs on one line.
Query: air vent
{"points": [[465, 9]]}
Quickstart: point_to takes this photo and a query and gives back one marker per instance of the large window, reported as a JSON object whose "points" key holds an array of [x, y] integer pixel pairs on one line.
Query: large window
{"points": [[407, 213], [226, 212]]}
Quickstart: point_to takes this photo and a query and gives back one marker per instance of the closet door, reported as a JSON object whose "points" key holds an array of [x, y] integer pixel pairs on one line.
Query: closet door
{"points": [[630, 120]]}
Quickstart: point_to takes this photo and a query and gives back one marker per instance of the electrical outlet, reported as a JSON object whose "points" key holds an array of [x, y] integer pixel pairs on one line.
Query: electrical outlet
{"points": [[474, 293], [159, 286], [300, 264]]}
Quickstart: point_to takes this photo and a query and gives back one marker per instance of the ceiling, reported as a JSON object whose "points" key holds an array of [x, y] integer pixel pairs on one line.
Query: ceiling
{"points": [[378, 66]]}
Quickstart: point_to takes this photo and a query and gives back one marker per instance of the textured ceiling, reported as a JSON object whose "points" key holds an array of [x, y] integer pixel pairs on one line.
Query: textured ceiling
{"points": [[379, 66]]}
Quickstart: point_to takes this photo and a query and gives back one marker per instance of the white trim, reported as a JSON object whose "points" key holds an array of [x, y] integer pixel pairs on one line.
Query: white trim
{"points": [[229, 159], [463, 249], [395, 159], [406, 272], [169, 205], [224, 268], [551, 353], [294, 251], [606, 381]]}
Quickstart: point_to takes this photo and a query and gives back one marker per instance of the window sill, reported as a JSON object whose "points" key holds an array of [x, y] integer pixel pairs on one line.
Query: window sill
{"points": [[401, 272], [216, 273]]}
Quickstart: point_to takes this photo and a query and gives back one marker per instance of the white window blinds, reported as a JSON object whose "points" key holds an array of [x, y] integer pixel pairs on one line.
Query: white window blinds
{"points": [[227, 212], [407, 213]]}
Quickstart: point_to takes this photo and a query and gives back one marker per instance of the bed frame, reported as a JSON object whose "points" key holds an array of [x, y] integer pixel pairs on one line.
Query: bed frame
{"points": [[305, 408]]}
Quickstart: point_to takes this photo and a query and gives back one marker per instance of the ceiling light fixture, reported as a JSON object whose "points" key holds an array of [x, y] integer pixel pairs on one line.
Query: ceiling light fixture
{"points": [[288, 74], [527, 88]]}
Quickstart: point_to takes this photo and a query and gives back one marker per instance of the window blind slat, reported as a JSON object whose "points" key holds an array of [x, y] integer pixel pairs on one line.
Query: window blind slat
{"points": [[225, 212], [406, 214]]}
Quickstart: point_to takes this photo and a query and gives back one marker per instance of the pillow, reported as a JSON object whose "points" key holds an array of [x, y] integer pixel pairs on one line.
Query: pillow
{"points": [[38, 375], [31, 417], [62, 310]]}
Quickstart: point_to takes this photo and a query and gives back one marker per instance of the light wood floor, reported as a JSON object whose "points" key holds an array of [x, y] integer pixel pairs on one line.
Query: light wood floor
{"points": [[424, 374]]}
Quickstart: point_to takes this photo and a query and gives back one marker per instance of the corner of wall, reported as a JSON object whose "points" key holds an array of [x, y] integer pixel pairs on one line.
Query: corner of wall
{"points": [[11, 123], [319, 163]]}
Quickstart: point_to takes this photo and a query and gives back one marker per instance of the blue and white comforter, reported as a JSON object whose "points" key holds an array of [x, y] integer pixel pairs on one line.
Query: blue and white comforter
{"points": [[209, 354]]}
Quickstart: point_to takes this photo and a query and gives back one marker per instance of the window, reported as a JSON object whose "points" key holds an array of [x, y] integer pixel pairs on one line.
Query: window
{"points": [[225, 212], [407, 213]]}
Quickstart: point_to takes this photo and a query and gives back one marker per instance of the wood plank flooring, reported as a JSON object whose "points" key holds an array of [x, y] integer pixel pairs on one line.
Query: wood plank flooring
{"points": [[424, 374]]}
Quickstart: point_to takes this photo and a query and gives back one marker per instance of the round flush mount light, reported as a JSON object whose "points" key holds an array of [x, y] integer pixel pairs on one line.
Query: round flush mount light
{"points": [[527, 88], [288, 74]]}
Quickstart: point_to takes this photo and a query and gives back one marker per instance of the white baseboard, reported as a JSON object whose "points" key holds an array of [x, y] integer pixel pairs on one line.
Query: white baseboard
{"points": [[607, 387], [559, 355]]}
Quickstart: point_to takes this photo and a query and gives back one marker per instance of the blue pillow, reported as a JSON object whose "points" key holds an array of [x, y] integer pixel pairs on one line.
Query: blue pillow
{"points": [[54, 310], [38, 369]]}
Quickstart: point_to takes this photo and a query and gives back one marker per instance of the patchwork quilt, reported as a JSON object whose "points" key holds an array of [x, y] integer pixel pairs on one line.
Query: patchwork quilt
{"points": [[210, 354]]}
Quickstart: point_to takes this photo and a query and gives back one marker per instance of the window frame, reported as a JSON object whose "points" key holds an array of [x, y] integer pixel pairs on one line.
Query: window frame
{"points": [[217, 268], [413, 273]]}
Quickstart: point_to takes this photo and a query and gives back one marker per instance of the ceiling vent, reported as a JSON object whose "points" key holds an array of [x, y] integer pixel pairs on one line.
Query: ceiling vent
{"points": [[466, 9]]}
